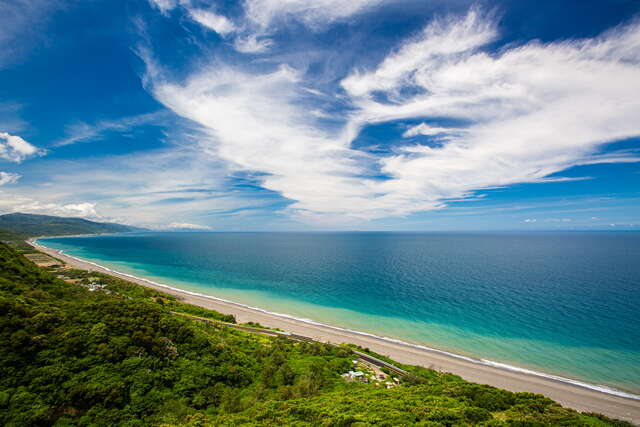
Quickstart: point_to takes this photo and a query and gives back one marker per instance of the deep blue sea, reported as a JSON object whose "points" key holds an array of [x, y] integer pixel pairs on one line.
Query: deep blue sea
{"points": [[563, 303]]}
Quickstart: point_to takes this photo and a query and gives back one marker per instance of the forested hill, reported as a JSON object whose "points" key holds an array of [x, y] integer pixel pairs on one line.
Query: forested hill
{"points": [[89, 349], [45, 225]]}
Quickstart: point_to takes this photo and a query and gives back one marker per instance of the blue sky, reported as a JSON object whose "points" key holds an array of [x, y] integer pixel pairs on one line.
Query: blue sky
{"points": [[325, 114]]}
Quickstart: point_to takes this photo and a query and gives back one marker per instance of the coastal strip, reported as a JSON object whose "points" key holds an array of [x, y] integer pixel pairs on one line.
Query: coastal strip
{"points": [[570, 393]]}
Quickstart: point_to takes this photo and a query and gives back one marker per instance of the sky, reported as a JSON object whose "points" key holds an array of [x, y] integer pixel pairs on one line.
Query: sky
{"points": [[323, 114]]}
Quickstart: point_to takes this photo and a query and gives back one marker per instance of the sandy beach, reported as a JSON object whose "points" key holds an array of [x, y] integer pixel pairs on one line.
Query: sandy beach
{"points": [[573, 396]]}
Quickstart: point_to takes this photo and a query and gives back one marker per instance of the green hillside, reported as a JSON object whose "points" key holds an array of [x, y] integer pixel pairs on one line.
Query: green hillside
{"points": [[16, 240], [103, 351], [45, 225]]}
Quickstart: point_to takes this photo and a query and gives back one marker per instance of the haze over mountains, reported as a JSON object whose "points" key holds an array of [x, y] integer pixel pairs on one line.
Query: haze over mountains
{"points": [[46, 225]]}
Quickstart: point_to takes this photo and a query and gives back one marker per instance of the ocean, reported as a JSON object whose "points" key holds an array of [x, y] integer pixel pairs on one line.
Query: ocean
{"points": [[559, 303]]}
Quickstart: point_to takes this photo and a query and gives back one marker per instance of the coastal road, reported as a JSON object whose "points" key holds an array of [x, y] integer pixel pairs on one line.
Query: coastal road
{"points": [[364, 356]]}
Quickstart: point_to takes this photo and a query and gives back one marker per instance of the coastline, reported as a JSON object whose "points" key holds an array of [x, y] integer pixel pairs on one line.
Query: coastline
{"points": [[570, 393]]}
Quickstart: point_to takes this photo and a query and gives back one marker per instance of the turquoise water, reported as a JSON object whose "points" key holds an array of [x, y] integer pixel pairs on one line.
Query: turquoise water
{"points": [[560, 303]]}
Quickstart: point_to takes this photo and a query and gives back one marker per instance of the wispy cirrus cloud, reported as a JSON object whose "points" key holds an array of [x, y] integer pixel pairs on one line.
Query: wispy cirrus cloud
{"points": [[83, 132], [296, 158], [530, 111], [252, 44], [442, 39], [316, 14], [218, 23], [21, 25], [8, 178], [150, 189], [535, 109], [262, 18], [165, 6], [10, 118], [468, 112], [425, 129]]}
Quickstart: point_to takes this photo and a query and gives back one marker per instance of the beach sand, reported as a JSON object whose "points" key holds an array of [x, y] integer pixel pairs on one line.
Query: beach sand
{"points": [[569, 395]]}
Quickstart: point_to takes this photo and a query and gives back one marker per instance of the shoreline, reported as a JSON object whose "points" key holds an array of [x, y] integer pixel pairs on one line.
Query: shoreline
{"points": [[566, 391]]}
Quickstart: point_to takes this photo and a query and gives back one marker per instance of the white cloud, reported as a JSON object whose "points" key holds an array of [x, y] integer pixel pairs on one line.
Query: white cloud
{"points": [[567, 179], [440, 41], [164, 5], [213, 21], [82, 132], [314, 13], [534, 110], [15, 149], [23, 24], [84, 210], [8, 178], [188, 226], [530, 220], [425, 129], [263, 13], [251, 44], [258, 124], [558, 220], [148, 189], [12, 202]]}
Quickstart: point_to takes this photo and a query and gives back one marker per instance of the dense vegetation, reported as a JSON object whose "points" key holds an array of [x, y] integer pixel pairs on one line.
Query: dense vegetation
{"points": [[117, 355], [16, 241], [44, 225]]}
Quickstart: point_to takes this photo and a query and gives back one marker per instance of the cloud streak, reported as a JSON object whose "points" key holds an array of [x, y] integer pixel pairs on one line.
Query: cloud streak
{"points": [[316, 14], [425, 129], [149, 189], [531, 111], [213, 21], [22, 25], [188, 226], [13, 202], [535, 109], [83, 132], [8, 178]]}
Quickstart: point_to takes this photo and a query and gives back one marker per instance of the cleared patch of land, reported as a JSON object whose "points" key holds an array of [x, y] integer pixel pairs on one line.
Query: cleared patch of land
{"points": [[42, 260]]}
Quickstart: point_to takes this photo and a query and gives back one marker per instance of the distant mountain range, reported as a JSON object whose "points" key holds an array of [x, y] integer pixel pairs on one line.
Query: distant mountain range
{"points": [[45, 225]]}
